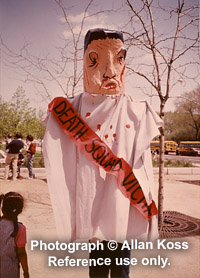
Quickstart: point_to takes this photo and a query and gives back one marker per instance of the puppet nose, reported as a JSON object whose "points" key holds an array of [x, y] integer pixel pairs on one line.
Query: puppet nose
{"points": [[110, 70], [109, 76]]}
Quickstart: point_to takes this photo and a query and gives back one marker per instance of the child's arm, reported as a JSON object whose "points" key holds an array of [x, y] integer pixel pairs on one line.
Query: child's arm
{"points": [[22, 256]]}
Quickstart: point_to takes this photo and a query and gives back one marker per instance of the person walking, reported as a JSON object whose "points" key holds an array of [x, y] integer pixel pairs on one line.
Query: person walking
{"points": [[13, 237], [30, 155], [12, 150]]}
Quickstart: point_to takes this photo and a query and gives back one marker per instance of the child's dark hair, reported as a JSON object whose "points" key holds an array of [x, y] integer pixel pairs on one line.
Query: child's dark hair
{"points": [[12, 206], [29, 137]]}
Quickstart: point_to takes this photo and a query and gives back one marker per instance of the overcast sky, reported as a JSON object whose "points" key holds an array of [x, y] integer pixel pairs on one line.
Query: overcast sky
{"points": [[39, 22]]}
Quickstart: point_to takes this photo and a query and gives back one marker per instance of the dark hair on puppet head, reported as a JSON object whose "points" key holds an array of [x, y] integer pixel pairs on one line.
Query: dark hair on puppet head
{"points": [[12, 206], [101, 33]]}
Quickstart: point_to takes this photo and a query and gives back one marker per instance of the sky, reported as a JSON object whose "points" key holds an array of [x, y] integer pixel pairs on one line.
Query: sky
{"points": [[40, 23]]}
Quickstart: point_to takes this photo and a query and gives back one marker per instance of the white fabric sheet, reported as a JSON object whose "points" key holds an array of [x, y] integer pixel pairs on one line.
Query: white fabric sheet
{"points": [[86, 200]]}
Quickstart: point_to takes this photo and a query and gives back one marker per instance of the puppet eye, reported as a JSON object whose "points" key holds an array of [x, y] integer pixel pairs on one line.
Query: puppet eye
{"points": [[93, 57], [121, 55]]}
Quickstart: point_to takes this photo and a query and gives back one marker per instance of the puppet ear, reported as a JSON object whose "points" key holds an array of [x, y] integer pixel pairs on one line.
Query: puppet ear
{"points": [[125, 51], [93, 57]]}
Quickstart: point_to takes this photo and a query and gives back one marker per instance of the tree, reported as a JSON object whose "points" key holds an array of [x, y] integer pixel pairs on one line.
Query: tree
{"points": [[179, 127], [63, 70], [166, 50], [189, 106], [18, 116], [73, 45], [4, 118]]}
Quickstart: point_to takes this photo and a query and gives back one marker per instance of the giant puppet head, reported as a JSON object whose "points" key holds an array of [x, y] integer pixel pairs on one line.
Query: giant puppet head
{"points": [[104, 62]]}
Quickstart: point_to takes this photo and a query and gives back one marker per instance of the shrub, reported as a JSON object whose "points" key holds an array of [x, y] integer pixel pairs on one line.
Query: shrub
{"points": [[173, 163]]}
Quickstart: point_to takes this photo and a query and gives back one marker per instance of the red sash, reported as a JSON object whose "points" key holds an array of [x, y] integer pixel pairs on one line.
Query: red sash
{"points": [[100, 154]]}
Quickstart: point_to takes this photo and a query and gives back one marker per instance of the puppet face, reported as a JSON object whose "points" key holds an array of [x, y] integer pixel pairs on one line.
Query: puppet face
{"points": [[104, 65]]}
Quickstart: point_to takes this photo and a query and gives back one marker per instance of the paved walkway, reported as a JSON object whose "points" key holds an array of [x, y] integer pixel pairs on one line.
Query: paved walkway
{"points": [[182, 194]]}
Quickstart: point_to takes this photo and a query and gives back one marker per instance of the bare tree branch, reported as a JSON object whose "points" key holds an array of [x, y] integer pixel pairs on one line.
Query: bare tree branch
{"points": [[167, 51]]}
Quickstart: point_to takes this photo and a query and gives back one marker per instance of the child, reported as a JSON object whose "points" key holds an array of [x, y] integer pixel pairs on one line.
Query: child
{"points": [[30, 155], [13, 237]]}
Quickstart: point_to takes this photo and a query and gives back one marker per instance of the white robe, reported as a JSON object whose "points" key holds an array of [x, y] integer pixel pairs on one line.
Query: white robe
{"points": [[86, 200]]}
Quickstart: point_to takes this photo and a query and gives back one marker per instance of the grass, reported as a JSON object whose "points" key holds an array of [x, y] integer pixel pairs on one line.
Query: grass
{"points": [[173, 163], [38, 161]]}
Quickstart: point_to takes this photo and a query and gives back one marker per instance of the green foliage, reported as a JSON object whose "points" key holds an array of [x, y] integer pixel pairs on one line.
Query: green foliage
{"points": [[173, 163], [176, 128], [18, 116], [184, 124], [38, 161]]}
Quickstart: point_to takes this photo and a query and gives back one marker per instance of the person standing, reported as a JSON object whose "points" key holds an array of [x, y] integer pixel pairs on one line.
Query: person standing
{"points": [[8, 139], [30, 156], [13, 237], [12, 150]]}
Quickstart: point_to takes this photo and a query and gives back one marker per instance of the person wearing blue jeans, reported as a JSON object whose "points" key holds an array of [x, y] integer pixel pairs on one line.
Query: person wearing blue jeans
{"points": [[30, 156]]}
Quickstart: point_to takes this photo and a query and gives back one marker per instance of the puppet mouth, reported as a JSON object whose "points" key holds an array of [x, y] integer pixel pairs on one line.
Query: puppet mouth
{"points": [[109, 85]]}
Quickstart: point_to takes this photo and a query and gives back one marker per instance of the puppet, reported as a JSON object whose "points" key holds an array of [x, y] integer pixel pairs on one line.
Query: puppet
{"points": [[83, 176]]}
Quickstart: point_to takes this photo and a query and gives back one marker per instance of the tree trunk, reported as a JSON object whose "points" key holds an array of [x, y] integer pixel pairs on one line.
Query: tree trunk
{"points": [[161, 169]]}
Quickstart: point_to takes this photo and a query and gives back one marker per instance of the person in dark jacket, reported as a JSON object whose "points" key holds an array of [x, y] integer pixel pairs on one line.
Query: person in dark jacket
{"points": [[12, 150]]}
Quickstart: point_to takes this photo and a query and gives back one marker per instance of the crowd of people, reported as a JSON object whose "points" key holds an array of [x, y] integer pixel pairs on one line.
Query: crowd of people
{"points": [[15, 156]]}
